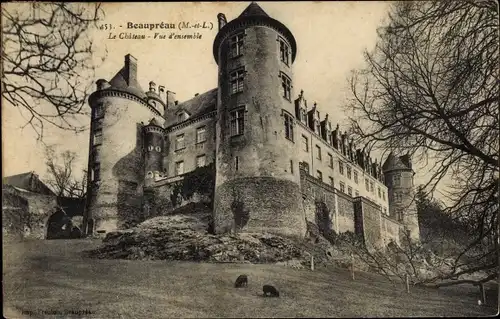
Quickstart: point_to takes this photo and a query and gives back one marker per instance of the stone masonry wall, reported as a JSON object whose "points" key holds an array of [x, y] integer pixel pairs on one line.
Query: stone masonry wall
{"points": [[259, 204], [345, 214], [314, 191], [368, 222]]}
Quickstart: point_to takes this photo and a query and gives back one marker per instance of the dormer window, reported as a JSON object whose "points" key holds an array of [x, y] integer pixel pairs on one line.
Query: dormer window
{"points": [[182, 116]]}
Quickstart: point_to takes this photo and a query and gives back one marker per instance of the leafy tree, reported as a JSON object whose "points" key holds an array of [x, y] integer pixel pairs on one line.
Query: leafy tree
{"points": [[430, 88], [48, 60]]}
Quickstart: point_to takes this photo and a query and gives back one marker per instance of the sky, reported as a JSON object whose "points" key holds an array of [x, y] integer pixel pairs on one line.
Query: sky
{"points": [[330, 36]]}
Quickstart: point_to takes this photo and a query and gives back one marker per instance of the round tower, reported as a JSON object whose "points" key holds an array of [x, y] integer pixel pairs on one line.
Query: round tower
{"points": [[153, 147], [116, 161], [398, 175], [257, 170]]}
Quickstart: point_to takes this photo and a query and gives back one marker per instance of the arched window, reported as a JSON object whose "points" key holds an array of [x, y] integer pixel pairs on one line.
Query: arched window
{"points": [[158, 149], [149, 174], [150, 147]]}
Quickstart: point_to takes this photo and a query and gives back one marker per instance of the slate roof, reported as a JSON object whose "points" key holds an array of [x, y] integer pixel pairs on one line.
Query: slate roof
{"points": [[253, 10], [198, 105], [29, 182], [119, 82], [393, 162]]}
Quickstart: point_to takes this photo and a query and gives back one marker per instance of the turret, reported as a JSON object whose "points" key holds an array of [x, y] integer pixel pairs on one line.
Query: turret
{"points": [[398, 175], [154, 141], [116, 161], [255, 128]]}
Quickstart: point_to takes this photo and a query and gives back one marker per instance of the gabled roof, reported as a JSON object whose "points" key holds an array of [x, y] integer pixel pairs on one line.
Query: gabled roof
{"points": [[253, 10], [28, 182], [394, 163]]}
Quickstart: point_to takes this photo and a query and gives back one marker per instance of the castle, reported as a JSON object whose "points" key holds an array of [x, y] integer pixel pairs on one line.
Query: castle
{"points": [[272, 151]]}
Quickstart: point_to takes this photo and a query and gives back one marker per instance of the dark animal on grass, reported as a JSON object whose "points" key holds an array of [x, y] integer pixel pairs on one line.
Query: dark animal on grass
{"points": [[241, 281], [270, 291]]}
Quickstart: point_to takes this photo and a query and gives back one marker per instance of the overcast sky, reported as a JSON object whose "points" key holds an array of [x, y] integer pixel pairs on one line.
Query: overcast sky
{"points": [[331, 37]]}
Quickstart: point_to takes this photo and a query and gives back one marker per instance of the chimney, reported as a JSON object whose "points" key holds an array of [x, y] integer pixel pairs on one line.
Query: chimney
{"points": [[170, 99], [221, 17], [152, 86], [130, 69], [161, 92]]}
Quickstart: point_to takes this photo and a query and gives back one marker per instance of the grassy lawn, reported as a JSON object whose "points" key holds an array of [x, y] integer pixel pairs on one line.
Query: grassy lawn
{"points": [[51, 275]]}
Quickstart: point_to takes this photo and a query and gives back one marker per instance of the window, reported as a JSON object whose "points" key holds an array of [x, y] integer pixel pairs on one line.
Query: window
{"points": [[286, 83], [305, 166], [348, 168], [149, 174], [98, 111], [318, 152], [397, 197], [319, 175], [200, 134], [349, 190], [383, 195], [98, 137], [372, 190], [331, 180], [291, 166], [150, 148], [379, 192], [179, 168], [396, 180], [305, 144], [237, 45], [97, 154], [158, 149], [236, 79], [180, 117], [356, 193], [341, 168], [201, 161], [179, 142], [303, 115], [330, 160], [284, 51], [288, 126], [367, 185], [236, 163], [237, 120], [356, 177], [96, 173], [342, 187]]}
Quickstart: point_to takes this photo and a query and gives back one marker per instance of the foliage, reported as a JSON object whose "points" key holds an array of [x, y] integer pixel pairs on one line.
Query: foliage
{"points": [[61, 177], [200, 181], [240, 214], [48, 60], [430, 89], [323, 219]]}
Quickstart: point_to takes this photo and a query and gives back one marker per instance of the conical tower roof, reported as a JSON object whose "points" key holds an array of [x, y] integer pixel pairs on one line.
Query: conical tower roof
{"points": [[253, 15], [394, 163], [253, 10]]}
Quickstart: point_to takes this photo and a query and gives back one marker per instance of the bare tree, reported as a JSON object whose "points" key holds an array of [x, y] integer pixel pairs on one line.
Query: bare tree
{"points": [[431, 89], [61, 174], [48, 61]]}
